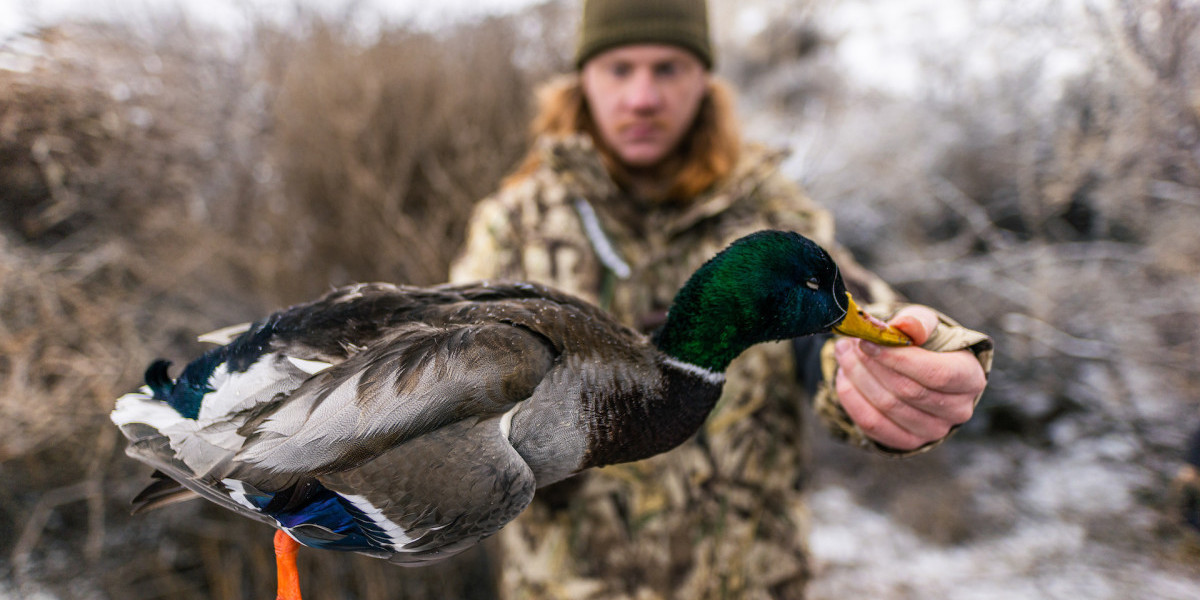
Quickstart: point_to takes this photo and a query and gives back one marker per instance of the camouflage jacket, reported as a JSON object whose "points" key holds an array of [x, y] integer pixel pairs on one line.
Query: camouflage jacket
{"points": [[722, 515]]}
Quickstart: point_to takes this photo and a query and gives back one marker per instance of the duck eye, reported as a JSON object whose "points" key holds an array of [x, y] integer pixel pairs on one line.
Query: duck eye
{"points": [[812, 283]]}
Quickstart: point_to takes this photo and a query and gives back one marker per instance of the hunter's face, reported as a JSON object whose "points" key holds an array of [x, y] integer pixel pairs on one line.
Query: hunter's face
{"points": [[643, 98]]}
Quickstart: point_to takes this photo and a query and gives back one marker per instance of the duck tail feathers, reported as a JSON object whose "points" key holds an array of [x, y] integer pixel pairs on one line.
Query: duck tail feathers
{"points": [[159, 380]]}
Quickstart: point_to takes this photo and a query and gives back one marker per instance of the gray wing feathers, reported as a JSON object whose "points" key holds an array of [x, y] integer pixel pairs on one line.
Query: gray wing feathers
{"points": [[418, 380], [445, 490], [154, 449]]}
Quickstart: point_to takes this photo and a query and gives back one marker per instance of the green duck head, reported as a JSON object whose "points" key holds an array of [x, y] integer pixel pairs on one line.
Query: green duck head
{"points": [[769, 285]]}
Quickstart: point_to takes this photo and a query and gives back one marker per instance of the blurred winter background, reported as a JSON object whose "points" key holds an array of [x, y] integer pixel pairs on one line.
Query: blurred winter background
{"points": [[1031, 167]]}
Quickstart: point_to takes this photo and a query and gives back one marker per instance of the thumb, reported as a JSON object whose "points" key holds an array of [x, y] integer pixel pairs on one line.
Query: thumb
{"points": [[917, 322]]}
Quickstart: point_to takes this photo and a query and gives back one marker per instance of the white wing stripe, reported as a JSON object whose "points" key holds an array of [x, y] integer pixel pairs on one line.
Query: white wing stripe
{"points": [[237, 491], [396, 536]]}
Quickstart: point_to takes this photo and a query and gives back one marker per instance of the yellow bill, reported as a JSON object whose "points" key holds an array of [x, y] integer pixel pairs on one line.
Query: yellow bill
{"points": [[861, 325]]}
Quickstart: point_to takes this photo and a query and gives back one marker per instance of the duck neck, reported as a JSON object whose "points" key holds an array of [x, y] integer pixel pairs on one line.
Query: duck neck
{"points": [[708, 323]]}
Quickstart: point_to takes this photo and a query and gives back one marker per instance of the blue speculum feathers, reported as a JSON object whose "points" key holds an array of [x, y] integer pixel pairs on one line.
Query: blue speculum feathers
{"points": [[347, 527]]}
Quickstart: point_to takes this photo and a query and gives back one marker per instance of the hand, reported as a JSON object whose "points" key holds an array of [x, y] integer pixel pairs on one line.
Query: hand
{"points": [[907, 397]]}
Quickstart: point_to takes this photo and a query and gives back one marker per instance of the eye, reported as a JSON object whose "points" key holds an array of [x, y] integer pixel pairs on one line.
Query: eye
{"points": [[666, 69], [813, 283]]}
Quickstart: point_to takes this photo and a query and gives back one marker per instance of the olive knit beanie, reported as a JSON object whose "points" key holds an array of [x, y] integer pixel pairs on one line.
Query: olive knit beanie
{"points": [[610, 23]]}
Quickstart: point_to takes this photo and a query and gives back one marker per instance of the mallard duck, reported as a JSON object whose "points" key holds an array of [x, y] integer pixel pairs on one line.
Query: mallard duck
{"points": [[409, 423]]}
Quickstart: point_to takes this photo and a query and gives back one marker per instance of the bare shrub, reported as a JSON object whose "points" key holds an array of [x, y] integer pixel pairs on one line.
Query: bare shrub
{"points": [[384, 149], [101, 220]]}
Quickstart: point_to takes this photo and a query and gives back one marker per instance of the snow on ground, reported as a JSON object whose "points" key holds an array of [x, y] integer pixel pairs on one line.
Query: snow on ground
{"points": [[1052, 526]]}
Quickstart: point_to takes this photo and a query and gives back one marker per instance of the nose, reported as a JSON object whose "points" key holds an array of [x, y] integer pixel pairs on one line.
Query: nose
{"points": [[643, 94]]}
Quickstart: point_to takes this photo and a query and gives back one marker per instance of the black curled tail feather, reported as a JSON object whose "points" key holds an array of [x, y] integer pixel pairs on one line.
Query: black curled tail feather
{"points": [[162, 491], [159, 381]]}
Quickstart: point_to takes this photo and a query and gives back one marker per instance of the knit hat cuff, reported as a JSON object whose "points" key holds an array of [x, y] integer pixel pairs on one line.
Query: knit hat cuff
{"points": [[690, 36]]}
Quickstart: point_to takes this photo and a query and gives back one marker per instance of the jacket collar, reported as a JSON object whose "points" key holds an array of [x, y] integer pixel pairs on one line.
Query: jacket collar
{"points": [[578, 166]]}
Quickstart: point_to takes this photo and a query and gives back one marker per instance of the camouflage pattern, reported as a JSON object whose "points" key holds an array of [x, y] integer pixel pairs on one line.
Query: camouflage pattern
{"points": [[722, 516]]}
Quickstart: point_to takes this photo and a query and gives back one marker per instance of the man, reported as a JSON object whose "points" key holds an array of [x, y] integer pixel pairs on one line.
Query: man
{"points": [[637, 178]]}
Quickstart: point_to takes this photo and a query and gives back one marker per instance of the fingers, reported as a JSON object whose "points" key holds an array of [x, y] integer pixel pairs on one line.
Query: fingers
{"points": [[883, 415], [949, 372], [943, 384], [900, 411], [873, 423]]}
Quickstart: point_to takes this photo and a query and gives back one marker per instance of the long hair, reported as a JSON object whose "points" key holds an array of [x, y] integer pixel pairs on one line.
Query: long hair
{"points": [[707, 153]]}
